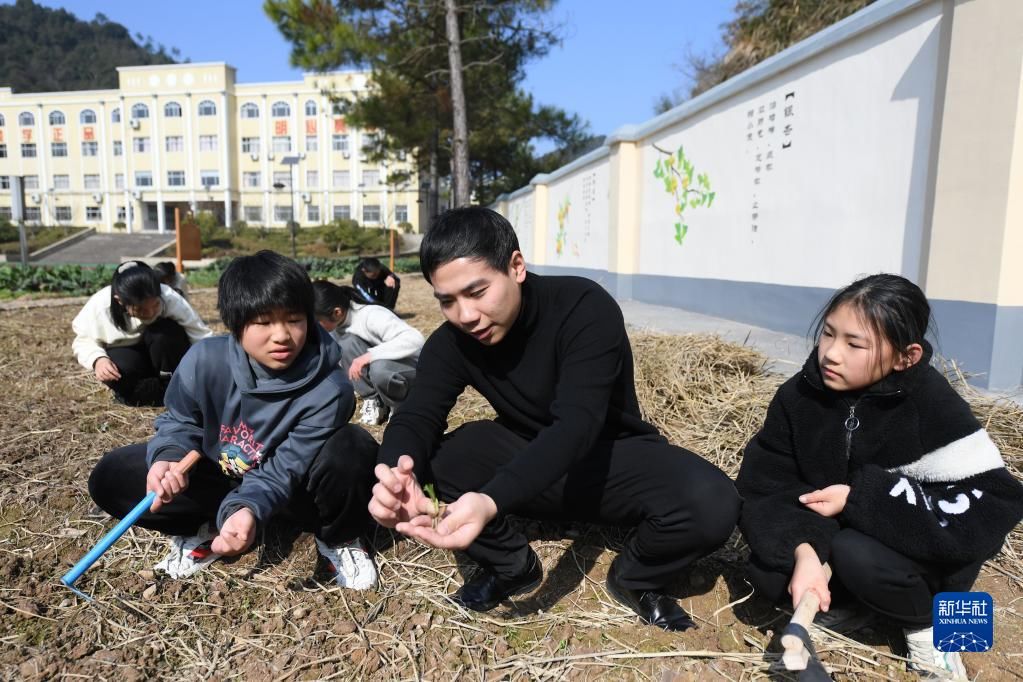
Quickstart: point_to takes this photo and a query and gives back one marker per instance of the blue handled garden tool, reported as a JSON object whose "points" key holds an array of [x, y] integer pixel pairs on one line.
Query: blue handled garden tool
{"points": [[117, 531]]}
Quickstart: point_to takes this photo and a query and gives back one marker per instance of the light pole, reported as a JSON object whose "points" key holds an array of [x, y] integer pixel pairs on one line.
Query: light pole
{"points": [[290, 162], [291, 222]]}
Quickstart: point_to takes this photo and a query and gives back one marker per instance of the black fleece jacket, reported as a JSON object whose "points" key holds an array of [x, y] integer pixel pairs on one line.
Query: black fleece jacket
{"points": [[925, 479], [562, 378]]}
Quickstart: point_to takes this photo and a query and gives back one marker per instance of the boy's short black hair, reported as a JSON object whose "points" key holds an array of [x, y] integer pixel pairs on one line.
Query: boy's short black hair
{"points": [[472, 232], [254, 285], [370, 265], [166, 271]]}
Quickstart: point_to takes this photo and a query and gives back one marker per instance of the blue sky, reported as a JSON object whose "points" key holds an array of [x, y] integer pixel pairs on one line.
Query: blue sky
{"points": [[616, 57]]}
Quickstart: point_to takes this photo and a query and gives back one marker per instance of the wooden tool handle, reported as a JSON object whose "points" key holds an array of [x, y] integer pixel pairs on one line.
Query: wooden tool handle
{"points": [[187, 462], [796, 655]]}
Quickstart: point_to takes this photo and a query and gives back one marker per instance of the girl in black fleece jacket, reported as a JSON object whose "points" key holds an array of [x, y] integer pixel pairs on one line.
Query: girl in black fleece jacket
{"points": [[870, 461]]}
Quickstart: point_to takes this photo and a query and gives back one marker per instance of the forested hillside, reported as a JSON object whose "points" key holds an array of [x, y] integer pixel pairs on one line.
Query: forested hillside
{"points": [[47, 50]]}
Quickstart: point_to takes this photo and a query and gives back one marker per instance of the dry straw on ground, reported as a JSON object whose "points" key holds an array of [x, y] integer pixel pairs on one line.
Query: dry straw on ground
{"points": [[268, 616]]}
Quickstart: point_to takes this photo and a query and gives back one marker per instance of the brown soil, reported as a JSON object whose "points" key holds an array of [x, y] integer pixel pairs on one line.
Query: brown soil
{"points": [[269, 615]]}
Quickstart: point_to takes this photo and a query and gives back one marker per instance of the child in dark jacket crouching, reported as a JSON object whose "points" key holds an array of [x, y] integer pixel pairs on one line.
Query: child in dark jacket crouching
{"points": [[269, 407], [870, 461]]}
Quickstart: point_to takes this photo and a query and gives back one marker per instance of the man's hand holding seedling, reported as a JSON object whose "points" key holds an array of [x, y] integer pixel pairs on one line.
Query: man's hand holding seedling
{"points": [[397, 497], [461, 522]]}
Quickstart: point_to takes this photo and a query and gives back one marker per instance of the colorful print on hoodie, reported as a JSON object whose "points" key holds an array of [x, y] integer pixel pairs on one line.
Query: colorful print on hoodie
{"points": [[259, 426]]}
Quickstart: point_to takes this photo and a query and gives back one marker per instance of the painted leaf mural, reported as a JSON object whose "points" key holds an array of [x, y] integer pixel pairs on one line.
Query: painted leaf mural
{"points": [[689, 189], [561, 237]]}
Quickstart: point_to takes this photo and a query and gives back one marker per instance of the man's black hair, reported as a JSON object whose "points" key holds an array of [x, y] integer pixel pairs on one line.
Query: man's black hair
{"points": [[254, 285], [472, 232], [134, 283]]}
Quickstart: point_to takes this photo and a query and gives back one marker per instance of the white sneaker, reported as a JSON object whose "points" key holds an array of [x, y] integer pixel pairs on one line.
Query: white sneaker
{"points": [[189, 554], [352, 564], [373, 412], [930, 663]]}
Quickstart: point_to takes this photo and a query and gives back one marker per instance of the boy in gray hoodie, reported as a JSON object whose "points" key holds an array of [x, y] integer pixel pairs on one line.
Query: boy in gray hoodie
{"points": [[269, 408]]}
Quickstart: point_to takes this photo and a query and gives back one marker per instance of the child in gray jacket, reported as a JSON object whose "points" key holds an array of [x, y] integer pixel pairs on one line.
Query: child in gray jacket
{"points": [[269, 407]]}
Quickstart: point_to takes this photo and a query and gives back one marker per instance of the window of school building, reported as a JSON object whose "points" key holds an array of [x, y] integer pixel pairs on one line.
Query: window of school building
{"points": [[342, 180], [282, 143]]}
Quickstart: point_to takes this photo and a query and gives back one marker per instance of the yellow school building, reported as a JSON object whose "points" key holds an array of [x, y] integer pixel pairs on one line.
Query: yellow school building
{"points": [[189, 136]]}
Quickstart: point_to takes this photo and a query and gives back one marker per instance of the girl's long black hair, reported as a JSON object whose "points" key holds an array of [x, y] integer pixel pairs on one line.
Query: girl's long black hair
{"points": [[134, 283], [892, 307], [329, 296]]}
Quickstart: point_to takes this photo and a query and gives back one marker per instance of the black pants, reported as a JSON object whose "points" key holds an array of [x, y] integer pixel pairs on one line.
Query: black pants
{"points": [[887, 582], [680, 506], [332, 501], [163, 344]]}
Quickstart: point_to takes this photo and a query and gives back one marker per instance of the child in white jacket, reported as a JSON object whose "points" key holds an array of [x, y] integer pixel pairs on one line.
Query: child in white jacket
{"points": [[133, 333], [379, 351]]}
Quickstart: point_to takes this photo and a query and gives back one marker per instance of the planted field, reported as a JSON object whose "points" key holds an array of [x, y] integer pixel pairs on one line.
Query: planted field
{"points": [[270, 615]]}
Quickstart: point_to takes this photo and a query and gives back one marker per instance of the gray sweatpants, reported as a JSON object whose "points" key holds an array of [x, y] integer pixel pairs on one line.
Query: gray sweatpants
{"points": [[388, 380]]}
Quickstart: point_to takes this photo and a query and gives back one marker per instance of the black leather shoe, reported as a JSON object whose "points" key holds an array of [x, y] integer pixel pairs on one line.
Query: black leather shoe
{"points": [[487, 590], [653, 607]]}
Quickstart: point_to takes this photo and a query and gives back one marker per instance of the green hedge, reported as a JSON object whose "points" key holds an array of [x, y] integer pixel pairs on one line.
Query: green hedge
{"points": [[72, 280], [79, 280]]}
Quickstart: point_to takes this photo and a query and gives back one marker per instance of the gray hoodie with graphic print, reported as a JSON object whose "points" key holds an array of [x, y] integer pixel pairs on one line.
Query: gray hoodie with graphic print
{"points": [[260, 426]]}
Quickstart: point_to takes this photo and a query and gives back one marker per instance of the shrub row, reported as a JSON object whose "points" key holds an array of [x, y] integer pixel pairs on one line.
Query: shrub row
{"points": [[78, 280]]}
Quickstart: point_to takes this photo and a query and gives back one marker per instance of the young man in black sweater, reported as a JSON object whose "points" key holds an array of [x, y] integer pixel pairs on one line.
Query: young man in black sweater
{"points": [[552, 357]]}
